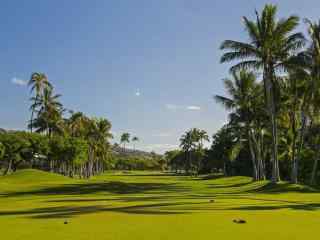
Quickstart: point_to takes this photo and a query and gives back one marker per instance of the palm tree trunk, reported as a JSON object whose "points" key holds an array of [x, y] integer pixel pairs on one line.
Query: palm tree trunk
{"points": [[258, 153], [32, 113], [275, 165], [314, 170], [295, 167], [9, 168], [294, 150], [270, 98], [253, 157], [31, 120]]}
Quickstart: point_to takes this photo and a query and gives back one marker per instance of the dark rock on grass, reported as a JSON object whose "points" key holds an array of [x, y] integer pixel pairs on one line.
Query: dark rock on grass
{"points": [[65, 222], [239, 221]]}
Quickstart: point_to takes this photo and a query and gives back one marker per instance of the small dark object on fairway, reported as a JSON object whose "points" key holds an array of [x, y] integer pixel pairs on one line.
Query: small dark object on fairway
{"points": [[65, 221], [239, 221], [211, 200]]}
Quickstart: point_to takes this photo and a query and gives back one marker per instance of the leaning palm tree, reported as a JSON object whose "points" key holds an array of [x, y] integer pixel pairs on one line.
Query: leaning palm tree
{"points": [[272, 43], [38, 82], [243, 93], [134, 139]]}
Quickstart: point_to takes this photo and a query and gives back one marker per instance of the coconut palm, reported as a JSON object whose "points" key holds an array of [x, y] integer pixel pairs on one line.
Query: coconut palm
{"points": [[311, 59], [134, 139], [203, 137], [272, 43], [38, 82], [187, 143], [98, 139], [244, 92], [49, 112], [125, 138]]}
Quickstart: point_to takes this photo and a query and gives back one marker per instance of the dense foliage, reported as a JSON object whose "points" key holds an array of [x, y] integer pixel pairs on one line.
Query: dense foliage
{"points": [[273, 127]]}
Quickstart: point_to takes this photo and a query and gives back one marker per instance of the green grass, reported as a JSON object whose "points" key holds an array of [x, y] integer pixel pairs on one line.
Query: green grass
{"points": [[146, 205]]}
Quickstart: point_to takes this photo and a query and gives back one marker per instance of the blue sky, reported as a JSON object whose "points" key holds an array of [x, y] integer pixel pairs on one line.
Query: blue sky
{"points": [[150, 67]]}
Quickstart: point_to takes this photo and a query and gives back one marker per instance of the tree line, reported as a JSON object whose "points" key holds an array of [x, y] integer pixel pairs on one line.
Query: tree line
{"points": [[64, 141], [273, 95], [60, 140]]}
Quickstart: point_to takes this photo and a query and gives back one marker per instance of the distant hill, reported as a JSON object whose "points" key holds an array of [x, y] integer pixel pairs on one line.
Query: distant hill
{"points": [[2, 130], [130, 152]]}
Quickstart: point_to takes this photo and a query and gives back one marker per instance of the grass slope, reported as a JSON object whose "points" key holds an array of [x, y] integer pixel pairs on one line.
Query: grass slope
{"points": [[35, 205]]}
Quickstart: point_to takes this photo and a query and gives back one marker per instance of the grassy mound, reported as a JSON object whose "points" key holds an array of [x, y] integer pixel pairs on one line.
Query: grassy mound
{"points": [[33, 176]]}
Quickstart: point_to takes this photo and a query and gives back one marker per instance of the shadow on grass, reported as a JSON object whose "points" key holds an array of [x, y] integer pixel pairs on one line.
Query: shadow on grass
{"points": [[226, 186], [115, 187], [282, 188], [210, 177], [148, 175], [72, 211], [305, 207]]}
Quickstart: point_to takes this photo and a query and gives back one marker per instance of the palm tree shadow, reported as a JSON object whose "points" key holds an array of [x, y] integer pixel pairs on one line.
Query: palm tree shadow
{"points": [[115, 187], [282, 188], [72, 211]]}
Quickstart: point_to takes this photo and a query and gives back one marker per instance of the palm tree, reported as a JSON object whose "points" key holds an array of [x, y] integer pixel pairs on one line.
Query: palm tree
{"points": [[311, 58], [271, 45], [203, 136], [77, 124], [134, 139], [98, 138], [38, 82], [50, 111], [125, 138], [187, 143], [242, 102]]}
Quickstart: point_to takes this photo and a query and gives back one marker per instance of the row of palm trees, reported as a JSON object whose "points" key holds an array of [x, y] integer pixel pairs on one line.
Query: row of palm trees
{"points": [[192, 145], [286, 104], [125, 138], [47, 117]]}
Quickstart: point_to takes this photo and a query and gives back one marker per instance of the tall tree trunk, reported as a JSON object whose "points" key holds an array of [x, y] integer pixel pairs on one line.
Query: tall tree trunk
{"points": [[253, 157], [31, 120], [295, 167], [275, 165], [9, 167], [260, 165], [294, 149], [32, 113], [314, 169], [270, 98]]}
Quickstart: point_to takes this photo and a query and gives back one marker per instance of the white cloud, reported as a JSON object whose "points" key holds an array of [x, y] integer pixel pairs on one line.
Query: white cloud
{"points": [[194, 108], [176, 107], [138, 93], [18, 81]]}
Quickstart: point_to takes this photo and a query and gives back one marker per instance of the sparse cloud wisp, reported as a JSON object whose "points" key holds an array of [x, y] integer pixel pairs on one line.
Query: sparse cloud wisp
{"points": [[19, 81], [180, 107], [194, 108], [138, 93]]}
